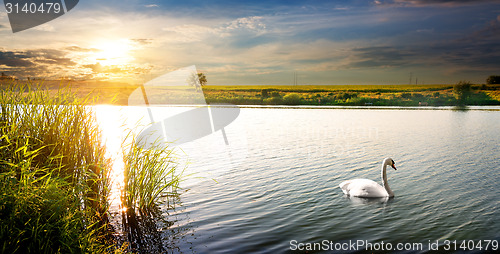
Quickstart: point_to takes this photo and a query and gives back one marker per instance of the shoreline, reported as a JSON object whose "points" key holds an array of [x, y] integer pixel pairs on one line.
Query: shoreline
{"points": [[115, 93], [464, 108]]}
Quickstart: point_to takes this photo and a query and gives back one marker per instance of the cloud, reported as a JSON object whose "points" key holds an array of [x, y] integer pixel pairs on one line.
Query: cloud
{"points": [[251, 23], [195, 33], [190, 33], [115, 72], [36, 62], [75, 48], [243, 27], [15, 59], [423, 3], [266, 38], [45, 28], [98, 68], [490, 32], [151, 6], [142, 41], [378, 57], [478, 50]]}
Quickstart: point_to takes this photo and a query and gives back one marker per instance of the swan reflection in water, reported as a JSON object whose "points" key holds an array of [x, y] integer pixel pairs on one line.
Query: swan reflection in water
{"points": [[369, 201]]}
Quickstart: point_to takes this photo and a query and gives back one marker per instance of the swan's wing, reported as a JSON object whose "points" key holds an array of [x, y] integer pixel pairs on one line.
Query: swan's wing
{"points": [[363, 188], [345, 186]]}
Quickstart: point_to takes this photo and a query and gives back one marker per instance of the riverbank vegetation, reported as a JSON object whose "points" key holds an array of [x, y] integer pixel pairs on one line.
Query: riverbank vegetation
{"points": [[396, 95], [323, 95], [55, 178], [53, 173], [151, 181]]}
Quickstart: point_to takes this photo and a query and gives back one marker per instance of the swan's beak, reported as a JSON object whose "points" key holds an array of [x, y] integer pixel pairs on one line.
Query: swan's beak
{"points": [[394, 167]]}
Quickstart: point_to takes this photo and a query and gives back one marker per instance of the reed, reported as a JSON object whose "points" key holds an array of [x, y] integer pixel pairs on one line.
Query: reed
{"points": [[54, 175], [149, 174], [151, 181]]}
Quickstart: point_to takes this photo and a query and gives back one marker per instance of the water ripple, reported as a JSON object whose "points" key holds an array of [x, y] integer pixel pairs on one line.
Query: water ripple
{"points": [[287, 187]]}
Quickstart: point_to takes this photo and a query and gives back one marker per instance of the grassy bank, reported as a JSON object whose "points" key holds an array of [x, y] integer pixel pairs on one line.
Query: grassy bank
{"points": [[53, 173], [55, 177]]}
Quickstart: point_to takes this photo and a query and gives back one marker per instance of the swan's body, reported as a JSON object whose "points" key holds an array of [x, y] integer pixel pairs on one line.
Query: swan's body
{"points": [[366, 188]]}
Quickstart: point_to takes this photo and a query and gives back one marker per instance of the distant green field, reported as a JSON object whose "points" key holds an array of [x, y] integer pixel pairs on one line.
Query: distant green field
{"points": [[350, 95], [345, 95], [328, 88]]}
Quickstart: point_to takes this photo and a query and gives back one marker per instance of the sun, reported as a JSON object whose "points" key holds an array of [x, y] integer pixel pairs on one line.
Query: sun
{"points": [[115, 52]]}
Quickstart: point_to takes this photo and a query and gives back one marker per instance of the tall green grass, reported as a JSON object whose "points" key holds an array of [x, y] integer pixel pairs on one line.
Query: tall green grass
{"points": [[150, 174], [54, 176], [151, 181]]}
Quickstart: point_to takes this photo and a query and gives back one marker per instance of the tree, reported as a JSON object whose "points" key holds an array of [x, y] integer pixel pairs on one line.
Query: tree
{"points": [[197, 80], [462, 91], [292, 99], [264, 93], [202, 78], [493, 80]]}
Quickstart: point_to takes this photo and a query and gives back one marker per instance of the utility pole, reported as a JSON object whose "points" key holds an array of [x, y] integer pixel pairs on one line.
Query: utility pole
{"points": [[411, 74]]}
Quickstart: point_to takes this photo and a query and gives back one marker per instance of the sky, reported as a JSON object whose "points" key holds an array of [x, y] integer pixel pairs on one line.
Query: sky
{"points": [[263, 42]]}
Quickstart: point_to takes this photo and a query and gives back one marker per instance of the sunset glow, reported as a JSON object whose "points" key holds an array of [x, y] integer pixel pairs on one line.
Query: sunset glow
{"points": [[262, 42], [113, 52]]}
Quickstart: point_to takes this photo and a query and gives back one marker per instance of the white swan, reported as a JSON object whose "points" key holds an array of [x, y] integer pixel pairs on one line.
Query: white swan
{"points": [[365, 188]]}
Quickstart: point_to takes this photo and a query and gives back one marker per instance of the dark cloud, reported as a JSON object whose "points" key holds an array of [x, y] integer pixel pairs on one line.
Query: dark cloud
{"points": [[30, 57], [422, 3], [34, 63], [142, 41], [51, 56], [458, 55], [80, 49], [379, 57], [56, 61], [94, 67], [15, 59], [490, 32], [479, 50]]}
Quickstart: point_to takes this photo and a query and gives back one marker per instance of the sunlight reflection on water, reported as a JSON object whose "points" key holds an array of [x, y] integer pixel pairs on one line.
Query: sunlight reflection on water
{"points": [[210, 155]]}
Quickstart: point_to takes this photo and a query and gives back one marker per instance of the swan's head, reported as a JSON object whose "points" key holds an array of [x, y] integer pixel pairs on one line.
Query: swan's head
{"points": [[390, 162]]}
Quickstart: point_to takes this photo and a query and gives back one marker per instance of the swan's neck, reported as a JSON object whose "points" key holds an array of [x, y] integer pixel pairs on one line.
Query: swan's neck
{"points": [[385, 184]]}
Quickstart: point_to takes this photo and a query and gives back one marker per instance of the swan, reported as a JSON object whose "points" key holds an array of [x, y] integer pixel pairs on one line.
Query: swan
{"points": [[365, 188]]}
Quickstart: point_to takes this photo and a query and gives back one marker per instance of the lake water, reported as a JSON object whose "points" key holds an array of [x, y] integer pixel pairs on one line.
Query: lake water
{"points": [[274, 187]]}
